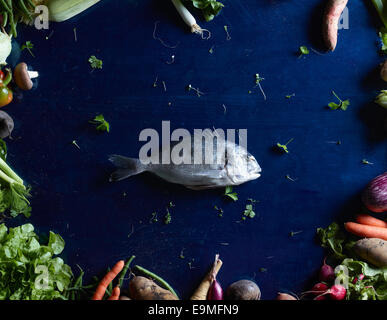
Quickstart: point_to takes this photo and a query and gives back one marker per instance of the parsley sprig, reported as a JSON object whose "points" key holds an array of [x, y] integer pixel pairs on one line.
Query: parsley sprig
{"points": [[95, 63], [343, 105], [232, 195], [101, 123]]}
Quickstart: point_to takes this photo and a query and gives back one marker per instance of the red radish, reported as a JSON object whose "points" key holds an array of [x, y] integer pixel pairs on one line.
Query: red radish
{"points": [[327, 274], [318, 289], [332, 15], [359, 278], [215, 292], [320, 298], [336, 292]]}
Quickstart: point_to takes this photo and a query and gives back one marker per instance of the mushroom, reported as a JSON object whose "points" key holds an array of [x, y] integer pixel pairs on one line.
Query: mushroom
{"points": [[6, 125], [23, 77]]}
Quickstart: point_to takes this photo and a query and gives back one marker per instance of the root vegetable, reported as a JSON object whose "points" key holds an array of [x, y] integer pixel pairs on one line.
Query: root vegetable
{"points": [[364, 231], [190, 20], [332, 15], [159, 280], [327, 274], [5, 47], [106, 280], [370, 221], [285, 296], [141, 288], [372, 250], [201, 292], [243, 290]]}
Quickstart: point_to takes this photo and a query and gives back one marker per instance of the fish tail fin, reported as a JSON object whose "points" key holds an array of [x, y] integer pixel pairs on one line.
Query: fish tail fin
{"points": [[126, 167]]}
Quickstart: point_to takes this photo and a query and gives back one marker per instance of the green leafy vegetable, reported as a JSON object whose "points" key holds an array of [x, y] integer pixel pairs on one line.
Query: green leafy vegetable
{"points": [[29, 46], [210, 8], [101, 123], [232, 195], [95, 63], [343, 105], [13, 194], [29, 270]]}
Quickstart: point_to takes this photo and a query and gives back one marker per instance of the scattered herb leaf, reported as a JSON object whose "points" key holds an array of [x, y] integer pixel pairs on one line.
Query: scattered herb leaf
{"points": [[232, 195], [101, 123], [95, 63]]}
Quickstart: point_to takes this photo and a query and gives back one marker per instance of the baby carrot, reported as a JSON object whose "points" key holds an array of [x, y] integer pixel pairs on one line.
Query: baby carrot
{"points": [[107, 279]]}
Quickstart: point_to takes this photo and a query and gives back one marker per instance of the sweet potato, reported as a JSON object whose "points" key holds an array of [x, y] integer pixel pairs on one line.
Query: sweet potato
{"points": [[141, 288], [373, 251], [333, 11]]}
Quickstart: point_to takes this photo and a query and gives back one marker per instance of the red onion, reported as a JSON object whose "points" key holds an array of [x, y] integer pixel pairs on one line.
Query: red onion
{"points": [[215, 292], [375, 195]]}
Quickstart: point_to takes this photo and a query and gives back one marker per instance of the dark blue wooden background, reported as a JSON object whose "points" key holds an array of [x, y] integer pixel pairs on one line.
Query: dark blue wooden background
{"points": [[71, 192]]}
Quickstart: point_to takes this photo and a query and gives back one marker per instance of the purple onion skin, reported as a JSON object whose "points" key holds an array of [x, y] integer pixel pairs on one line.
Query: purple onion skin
{"points": [[215, 292], [375, 195]]}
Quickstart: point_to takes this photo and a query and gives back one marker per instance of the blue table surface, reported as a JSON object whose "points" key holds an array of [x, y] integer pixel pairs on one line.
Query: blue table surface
{"points": [[71, 192]]}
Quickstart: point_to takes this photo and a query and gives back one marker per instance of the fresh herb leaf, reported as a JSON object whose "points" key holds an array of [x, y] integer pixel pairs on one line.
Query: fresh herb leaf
{"points": [[232, 195], [29, 46], [153, 217], [167, 218], [303, 51], [284, 147], [343, 105], [95, 63], [102, 124]]}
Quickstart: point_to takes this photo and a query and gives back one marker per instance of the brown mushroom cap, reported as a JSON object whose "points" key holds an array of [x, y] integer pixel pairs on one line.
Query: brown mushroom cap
{"points": [[22, 77]]}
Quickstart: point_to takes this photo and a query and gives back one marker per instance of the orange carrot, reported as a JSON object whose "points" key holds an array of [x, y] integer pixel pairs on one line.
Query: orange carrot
{"points": [[370, 221], [109, 277], [365, 231], [116, 294]]}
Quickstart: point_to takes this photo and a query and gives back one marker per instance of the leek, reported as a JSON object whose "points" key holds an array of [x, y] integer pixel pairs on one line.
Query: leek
{"points": [[62, 10]]}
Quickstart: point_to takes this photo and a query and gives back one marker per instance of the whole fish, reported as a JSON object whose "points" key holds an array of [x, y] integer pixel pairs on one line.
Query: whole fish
{"points": [[235, 167]]}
